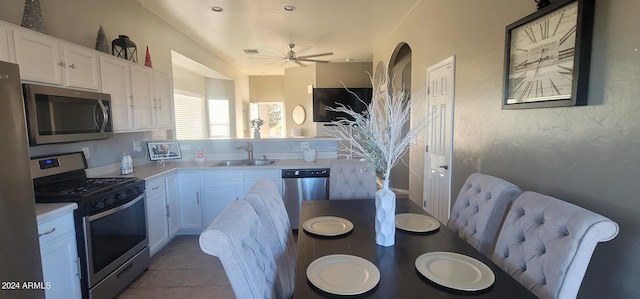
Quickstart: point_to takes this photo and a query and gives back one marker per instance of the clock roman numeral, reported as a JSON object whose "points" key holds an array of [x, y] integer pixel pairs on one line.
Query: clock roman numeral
{"points": [[565, 70], [527, 90], [530, 34], [539, 92], [544, 29], [558, 25], [517, 82], [554, 86], [562, 54], [568, 34]]}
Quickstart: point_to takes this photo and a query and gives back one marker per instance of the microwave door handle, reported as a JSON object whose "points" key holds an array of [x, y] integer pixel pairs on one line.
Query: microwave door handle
{"points": [[105, 117]]}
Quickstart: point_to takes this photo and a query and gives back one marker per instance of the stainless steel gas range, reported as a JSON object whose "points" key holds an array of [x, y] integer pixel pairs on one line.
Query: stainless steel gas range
{"points": [[111, 227]]}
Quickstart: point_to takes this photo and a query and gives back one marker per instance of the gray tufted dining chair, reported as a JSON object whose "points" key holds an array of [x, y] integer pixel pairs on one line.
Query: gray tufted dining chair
{"points": [[268, 204], [546, 244], [351, 179], [480, 208], [238, 239]]}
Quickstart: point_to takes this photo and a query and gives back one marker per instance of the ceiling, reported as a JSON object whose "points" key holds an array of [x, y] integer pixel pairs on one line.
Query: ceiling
{"points": [[348, 28]]}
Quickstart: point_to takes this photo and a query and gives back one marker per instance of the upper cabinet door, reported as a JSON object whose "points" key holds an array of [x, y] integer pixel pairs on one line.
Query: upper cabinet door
{"points": [[81, 67], [38, 56], [143, 101], [5, 44], [115, 76], [48, 60], [163, 97]]}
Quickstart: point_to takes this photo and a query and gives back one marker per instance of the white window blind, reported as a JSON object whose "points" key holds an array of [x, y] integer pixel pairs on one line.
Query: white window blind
{"points": [[189, 116], [218, 118]]}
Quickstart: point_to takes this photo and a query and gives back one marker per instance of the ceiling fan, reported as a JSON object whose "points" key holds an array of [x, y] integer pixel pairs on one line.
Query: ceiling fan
{"points": [[291, 56]]}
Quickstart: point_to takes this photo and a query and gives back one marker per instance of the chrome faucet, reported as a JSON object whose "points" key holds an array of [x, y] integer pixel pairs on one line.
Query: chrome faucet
{"points": [[248, 148]]}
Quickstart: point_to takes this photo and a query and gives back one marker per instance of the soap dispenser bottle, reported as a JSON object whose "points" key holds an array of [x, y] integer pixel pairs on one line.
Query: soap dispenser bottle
{"points": [[124, 163]]}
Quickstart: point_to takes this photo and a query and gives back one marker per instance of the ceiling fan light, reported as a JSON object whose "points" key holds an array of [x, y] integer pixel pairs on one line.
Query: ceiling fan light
{"points": [[289, 8], [250, 51]]}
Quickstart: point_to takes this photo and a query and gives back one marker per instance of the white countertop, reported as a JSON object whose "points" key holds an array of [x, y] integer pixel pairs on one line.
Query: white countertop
{"points": [[48, 211], [151, 170]]}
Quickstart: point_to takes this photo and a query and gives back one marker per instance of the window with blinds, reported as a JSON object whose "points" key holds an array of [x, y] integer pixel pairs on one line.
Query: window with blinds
{"points": [[189, 110], [193, 123]]}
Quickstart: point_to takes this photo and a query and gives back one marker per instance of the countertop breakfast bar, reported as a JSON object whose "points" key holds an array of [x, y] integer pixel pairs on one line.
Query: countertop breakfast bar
{"points": [[399, 277]]}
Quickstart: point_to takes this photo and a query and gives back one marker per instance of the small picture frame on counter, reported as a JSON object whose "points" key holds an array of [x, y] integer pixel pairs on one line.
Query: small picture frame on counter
{"points": [[164, 150]]}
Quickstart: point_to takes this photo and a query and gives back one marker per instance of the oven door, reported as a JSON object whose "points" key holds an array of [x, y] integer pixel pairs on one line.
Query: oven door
{"points": [[113, 237]]}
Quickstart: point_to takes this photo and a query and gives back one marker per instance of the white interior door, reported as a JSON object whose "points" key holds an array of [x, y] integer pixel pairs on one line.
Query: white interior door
{"points": [[440, 97]]}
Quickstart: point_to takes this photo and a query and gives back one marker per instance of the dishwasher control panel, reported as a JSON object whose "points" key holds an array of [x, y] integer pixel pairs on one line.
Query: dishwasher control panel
{"points": [[305, 173]]}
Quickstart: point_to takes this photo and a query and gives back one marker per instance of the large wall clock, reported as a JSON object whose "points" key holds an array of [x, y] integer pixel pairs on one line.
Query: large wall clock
{"points": [[547, 56]]}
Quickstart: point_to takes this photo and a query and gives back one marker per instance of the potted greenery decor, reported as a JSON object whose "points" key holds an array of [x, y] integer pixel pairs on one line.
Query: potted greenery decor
{"points": [[255, 125]]}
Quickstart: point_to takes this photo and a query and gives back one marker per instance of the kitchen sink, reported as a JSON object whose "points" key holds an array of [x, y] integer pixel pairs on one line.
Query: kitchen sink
{"points": [[260, 162], [232, 163], [245, 163]]}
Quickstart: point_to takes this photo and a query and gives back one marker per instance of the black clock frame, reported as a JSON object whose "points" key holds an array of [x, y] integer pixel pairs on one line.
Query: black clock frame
{"points": [[581, 62]]}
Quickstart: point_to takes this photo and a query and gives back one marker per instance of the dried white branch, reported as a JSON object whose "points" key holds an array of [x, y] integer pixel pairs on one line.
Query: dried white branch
{"points": [[376, 135]]}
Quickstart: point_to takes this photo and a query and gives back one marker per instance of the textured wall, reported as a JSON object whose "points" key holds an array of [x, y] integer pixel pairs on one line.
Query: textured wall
{"points": [[587, 155]]}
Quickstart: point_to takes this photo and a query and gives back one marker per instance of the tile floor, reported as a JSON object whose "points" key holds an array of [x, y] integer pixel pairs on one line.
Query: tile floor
{"points": [[181, 270]]}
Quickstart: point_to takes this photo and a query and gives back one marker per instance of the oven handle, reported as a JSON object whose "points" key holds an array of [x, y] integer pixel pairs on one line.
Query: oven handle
{"points": [[116, 209]]}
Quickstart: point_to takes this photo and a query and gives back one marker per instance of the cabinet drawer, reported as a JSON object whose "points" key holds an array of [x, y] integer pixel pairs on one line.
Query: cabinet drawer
{"points": [[55, 228], [222, 176], [256, 175], [155, 186]]}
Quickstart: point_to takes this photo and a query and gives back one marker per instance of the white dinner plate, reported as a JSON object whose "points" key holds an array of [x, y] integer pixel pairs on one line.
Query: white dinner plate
{"points": [[327, 226], [416, 223], [455, 271], [343, 274]]}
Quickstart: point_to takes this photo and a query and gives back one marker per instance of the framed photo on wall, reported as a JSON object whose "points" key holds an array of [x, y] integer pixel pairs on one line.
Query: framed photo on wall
{"points": [[164, 150], [547, 56]]}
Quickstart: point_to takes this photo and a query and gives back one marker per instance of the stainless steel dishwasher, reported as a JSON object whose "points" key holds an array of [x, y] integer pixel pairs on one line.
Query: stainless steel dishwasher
{"points": [[303, 184]]}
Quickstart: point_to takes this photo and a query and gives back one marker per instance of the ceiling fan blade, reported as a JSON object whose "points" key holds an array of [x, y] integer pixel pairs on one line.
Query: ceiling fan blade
{"points": [[313, 60], [315, 55], [299, 63]]}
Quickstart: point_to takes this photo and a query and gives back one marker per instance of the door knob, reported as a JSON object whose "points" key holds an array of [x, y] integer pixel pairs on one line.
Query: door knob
{"points": [[444, 166]]}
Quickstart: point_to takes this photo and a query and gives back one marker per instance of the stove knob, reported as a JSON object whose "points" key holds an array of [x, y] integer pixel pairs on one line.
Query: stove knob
{"points": [[121, 195], [98, 204], [109, 201]]}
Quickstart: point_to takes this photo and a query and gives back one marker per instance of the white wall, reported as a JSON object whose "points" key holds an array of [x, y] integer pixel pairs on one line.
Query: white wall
{"points": [[585, 155]]}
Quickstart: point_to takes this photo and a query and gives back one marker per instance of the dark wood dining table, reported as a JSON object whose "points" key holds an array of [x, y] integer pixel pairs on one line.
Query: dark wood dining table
{"points": [[399, 277]]}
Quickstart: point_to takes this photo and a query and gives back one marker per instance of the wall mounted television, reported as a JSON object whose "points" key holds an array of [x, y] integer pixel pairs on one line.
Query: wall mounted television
{"points": [[323, 97]]}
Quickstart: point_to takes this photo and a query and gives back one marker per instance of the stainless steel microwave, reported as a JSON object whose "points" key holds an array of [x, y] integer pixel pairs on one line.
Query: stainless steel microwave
{"points": [[61, 115]]}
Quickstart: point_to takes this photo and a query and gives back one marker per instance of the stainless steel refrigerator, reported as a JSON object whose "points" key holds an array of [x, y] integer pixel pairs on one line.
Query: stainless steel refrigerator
{"points": [[19, 246]]}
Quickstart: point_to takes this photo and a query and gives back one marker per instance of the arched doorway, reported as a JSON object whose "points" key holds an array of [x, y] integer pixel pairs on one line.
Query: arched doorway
{"points": [[400, 74]]}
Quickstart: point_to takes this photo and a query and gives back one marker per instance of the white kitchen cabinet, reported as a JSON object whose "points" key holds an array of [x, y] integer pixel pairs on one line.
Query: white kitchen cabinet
{"points": [[46, 59], [6, 44], [163, 100], [189, 201], [171, 182], [115, 77], [157, 220], [142, 95], [59, 255], [220, 187], [254, 175]]}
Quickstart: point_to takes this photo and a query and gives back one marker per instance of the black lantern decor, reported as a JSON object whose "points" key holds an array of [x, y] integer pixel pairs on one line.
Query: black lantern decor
{"points": [[123, 47]]}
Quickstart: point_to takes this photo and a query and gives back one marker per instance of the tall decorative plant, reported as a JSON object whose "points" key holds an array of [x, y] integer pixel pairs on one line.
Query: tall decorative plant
{"points": [[377, 137]]}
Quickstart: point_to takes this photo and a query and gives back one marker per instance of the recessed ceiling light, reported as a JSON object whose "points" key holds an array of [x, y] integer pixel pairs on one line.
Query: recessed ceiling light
{"points": [[250, 51], [217, 9], [289, 8]]}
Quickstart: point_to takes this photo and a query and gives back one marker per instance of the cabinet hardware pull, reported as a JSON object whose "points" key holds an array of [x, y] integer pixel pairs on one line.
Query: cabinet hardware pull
{"points": [[198, 197], [155, 188], [73, 66], [60, 63], [47, 232]]}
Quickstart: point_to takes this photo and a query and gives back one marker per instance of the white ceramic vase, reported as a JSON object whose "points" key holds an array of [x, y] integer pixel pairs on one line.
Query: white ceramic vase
{"points": [[256, 134], [385, 216]]}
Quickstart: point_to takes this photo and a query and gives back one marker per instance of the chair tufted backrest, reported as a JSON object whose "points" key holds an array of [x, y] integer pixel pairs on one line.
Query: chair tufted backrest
{"points": [[237, 238], [268, 204], [351, 179], [479, 209], [546, 243]]}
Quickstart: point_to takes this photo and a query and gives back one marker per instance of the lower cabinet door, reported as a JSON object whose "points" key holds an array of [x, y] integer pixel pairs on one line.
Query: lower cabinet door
{"points": [[157, 223], [60, 268]]}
